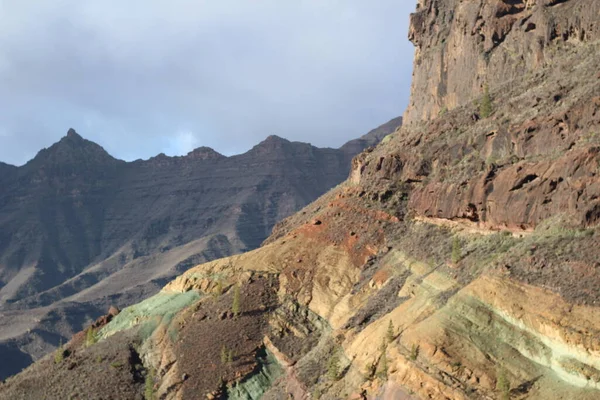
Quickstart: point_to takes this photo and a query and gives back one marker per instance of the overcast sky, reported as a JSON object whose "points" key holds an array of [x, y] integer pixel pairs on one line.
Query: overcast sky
{"points": [[141, 77]]}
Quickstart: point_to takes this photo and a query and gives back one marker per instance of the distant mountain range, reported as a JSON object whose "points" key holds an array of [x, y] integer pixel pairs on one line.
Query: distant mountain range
{"points": [[81, 230]]}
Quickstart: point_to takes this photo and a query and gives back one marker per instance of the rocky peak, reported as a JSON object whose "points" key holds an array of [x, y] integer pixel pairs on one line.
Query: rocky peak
{"points": [[273, 141], [72, 134], [461, 46], [272, 145], [72, 150], [204, 153]]}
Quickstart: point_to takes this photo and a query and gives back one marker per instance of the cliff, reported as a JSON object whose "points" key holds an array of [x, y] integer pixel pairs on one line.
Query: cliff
{"points": [[463, 45]]}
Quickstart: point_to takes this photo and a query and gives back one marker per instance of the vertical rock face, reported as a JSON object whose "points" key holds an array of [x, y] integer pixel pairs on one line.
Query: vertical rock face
{"points": [[463, 45]]}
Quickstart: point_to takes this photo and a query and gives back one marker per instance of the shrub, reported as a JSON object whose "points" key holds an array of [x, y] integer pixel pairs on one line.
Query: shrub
{"points": [[59, 354], [387, 138], [90, 337]]}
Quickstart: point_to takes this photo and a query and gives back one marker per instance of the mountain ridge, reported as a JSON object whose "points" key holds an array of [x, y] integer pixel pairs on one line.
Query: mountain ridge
{"points": [[75, 223]]}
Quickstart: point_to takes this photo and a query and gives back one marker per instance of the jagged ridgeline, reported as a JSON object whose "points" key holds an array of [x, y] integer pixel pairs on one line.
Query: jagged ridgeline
{"points": [[458, 261]]}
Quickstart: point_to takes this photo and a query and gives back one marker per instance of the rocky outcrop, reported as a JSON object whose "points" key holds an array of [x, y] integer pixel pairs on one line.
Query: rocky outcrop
{"points": [[536, 157], [463, 45]]}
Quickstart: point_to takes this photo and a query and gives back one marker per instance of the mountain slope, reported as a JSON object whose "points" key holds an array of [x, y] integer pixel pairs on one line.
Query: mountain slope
{"points": [[458, 261], [80, 230]]}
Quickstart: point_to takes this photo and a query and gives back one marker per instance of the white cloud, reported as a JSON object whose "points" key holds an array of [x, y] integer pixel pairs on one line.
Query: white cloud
{"points": [[182, 143]]}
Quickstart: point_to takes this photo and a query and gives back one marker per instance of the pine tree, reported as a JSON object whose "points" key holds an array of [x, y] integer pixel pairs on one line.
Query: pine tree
{"points": [[219, 289], [485, 108], [149, 385], [236, 301], [333, 366], [414, 352], [390, 332], [383, 363], [456, 250], [224, 355], [503, 385]]}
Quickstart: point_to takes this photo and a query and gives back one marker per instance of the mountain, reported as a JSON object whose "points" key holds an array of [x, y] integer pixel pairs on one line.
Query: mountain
{"points": [[458, 261], [81, 231], [372, 138]]}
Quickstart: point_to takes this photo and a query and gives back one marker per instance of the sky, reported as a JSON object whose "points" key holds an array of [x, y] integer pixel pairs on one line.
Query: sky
{"points": [[141, 77]]}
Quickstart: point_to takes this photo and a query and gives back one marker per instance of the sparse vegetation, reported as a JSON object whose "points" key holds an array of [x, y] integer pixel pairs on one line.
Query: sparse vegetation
{"points": [[333, 366], [149, 385], [390, 334], [414, 352], [235, 308], [456, 250], [382, 370], [90, 337], [387, 138], [227, 355], [59, 354], [224, 355], [317, 393], [116, 364], [485, 107], [370, 370], [503, 385]]}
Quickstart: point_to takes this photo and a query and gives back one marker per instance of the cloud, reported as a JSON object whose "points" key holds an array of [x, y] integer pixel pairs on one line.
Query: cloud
{"points": [[133, 75], [182, 143]]}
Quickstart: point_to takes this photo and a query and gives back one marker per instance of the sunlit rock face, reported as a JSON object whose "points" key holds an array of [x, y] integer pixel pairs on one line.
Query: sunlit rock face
{"points": [[463, 45]]}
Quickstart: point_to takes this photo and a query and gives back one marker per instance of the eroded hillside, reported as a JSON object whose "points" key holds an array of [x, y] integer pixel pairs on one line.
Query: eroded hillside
{"points": [[458, 261]]}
